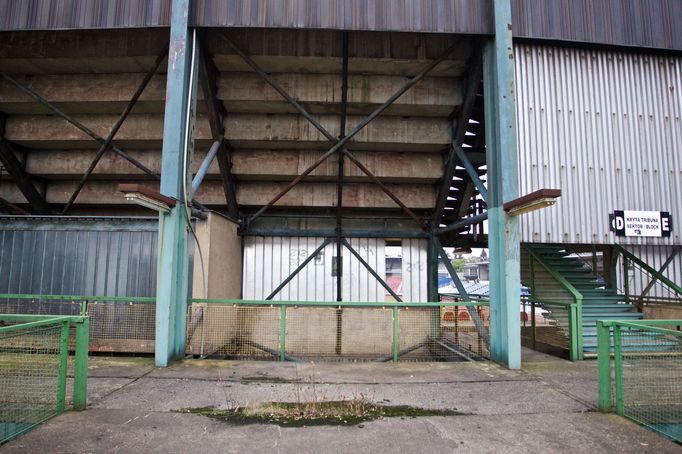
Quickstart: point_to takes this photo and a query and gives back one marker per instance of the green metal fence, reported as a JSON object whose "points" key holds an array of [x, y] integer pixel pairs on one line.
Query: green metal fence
{"points": [[382, 331], [34, 353], [117, 324], [555, 313], [645, 382], [552, 326]]}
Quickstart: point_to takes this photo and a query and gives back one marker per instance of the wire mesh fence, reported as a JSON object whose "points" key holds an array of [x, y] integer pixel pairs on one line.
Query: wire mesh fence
{"points": [[118, 324], [337, 331], [548, 326], [34, 353], [29, 377], [647, 364]]}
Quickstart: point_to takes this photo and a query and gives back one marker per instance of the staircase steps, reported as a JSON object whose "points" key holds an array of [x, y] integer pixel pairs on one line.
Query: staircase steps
{"points": [[598, 303]]}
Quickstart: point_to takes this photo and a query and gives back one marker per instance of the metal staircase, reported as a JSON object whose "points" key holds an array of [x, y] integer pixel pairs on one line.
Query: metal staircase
{"points": [[569, 277]]}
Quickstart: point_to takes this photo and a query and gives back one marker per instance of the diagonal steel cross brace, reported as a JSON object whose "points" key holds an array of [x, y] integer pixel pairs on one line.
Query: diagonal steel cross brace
{"points": [[104, 146], [77, 124], [480, 327], [338, 143], [371, 270]]}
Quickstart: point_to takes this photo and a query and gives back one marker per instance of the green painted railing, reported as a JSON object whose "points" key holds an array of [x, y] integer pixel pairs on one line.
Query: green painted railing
{"points": [[393, 305], [21, 347], [646, 354], [574, 315], [575, 308]]}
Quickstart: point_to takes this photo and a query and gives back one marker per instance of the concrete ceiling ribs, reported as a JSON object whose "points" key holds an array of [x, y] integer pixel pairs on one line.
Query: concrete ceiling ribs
{"points": [[91, 75]]}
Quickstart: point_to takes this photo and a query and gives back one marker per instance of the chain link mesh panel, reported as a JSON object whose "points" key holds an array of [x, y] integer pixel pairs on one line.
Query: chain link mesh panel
{"points": [[29, 375], [233, 331], [335, 333], [548, 329], [652, 379], [442, 334], [122, 327]]}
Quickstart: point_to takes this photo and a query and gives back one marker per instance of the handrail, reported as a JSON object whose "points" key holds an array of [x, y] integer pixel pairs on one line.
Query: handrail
{"points": [[80, 298], [562, 280], [648, 268], [575, 309], [339, 303]]}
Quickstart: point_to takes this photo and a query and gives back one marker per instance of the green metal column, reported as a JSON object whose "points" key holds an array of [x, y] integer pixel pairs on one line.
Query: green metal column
{"points": [[503, 186], [173, 265]]}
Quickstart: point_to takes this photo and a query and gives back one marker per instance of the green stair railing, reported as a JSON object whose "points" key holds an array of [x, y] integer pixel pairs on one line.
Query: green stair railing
{"points": [[572, 307]]}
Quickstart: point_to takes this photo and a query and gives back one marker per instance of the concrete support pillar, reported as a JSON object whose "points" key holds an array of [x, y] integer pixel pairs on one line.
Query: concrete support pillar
{"points": [[178, 132], [503, 239]]}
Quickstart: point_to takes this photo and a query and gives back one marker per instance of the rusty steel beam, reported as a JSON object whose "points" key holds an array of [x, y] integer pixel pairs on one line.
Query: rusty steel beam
{"points": [[208, 75], [458, 135], [371, 271], [104, 146], [339, 144], [77, 124], [388, 192], [339, 180], [22, 179], [298, 269]]}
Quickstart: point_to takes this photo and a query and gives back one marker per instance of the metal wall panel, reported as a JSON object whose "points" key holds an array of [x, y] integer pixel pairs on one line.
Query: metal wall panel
{"points": [[270, 260], [641, 23], [77, 256], [70, 14], [654, 256], [414, 268], [604, 127], [443, 16]]}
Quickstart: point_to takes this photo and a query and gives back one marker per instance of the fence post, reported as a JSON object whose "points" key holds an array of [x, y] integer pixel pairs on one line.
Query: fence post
{"points": [[63, 364], [579, 327], [282, 332], [395, 334], [80, 365], [604, 365], [572, 329], [532, 323], [618, 366]]}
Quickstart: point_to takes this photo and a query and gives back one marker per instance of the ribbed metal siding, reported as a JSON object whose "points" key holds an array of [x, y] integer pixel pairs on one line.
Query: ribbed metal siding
{"points": [[63, 256], [71, 14], [604, 127], [642, 23], [270, 260], [414, 268], [654, 256], [444, 16]]}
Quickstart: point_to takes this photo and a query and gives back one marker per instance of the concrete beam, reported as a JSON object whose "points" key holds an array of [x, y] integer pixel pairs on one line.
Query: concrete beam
{"points": [[278, 165], [240, 92], [305, 195], [81, 51], [248, 164], [243, 131]]}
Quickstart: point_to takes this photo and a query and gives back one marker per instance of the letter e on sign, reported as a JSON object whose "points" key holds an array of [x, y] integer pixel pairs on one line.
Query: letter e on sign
{"points": [[666, 223]]}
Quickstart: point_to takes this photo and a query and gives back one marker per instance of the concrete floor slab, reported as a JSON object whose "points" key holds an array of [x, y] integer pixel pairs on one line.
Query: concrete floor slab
{"points": [[546, 407], [102, 430]]}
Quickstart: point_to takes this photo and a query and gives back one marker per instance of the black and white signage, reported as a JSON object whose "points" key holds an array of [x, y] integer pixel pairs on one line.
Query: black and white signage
{"points": [[641, 223]]}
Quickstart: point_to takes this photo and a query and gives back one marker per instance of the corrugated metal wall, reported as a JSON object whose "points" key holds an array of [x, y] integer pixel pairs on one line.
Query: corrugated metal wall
{"points": [[654, 256], [604, 127], [270, 260], [69, 256]]}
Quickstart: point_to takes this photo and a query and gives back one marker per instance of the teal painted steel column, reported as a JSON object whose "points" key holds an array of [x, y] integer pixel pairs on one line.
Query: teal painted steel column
{"points": [[178, 132], [503, 185]]}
